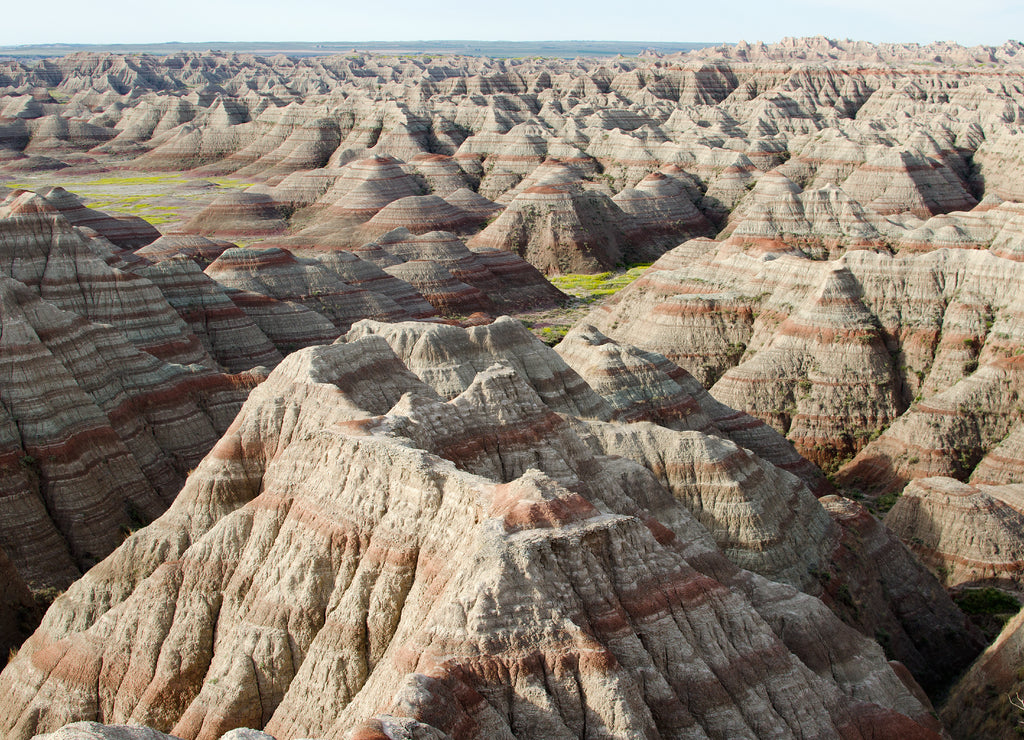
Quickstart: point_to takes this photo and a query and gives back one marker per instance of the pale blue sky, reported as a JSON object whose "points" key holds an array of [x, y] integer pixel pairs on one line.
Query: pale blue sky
{"points": [[142, 21]]}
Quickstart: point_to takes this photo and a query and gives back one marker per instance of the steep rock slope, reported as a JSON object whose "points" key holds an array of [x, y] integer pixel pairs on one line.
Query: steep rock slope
{"points": [[43, 251], [817, 223], [828, 354], [986, 701], [364, 188], [807, 148], [560, 229], [765, 521], [974, 422], [967, 535], [660, 208], [108, 399], [300, 287], [832, 353], [447, 359], [226, 332], [237, 214], [124, 231], [103, 432], [505, 279], [354, 555], [199, 249], [903, 181], [645, 386]]}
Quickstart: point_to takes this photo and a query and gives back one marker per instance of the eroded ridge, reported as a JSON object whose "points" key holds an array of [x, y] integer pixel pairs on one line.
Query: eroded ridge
{"points": [[365, 550]]}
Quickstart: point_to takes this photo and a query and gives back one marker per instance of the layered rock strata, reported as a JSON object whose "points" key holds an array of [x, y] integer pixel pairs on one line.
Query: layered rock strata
{"points": [[863, 300], [985, 702], [966, 534], [335, 507], [103, 434], [919, 349], [109, 398], [561, 229]]}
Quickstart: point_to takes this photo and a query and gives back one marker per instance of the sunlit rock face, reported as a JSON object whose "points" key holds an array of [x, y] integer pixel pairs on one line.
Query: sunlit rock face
{"points": [[909, 363], [467, 502]]}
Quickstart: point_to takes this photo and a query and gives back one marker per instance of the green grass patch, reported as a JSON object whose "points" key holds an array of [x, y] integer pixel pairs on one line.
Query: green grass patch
{"points": [[161, 198], [989, 609], [57, 95], [595, 287], [113, 181], [884, 503], [116, 204], [132, 205]]}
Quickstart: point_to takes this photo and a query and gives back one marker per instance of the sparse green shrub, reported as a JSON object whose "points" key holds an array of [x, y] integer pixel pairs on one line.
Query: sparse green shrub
{"points": [[885, 502], [735, 351], [552, 335], [987, 601]]}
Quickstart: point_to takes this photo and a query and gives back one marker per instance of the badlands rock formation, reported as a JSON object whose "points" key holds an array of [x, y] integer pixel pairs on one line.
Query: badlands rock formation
{"points": [[677, 141], [833, 353], [561, 229], [645, 386], [237, 215], [122, 231], [368, 549], [199, 249], [121, 373], [295, 302], [967, 535], [96, 731], [837, 237], [108, 398]]}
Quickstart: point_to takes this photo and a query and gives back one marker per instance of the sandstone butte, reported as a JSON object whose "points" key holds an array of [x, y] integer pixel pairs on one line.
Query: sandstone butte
{"points": [[657, 482]]}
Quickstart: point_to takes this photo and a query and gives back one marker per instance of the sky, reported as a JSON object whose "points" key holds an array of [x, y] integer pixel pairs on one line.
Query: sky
{"points": [[147, 21]]}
